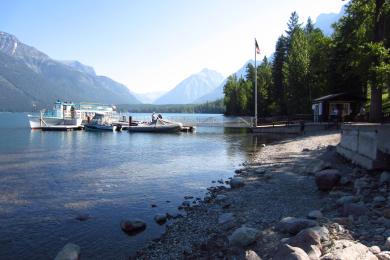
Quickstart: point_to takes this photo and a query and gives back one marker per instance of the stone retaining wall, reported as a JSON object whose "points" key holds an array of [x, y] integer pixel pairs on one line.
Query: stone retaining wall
{"points": [[367, 145], [291, 129]]}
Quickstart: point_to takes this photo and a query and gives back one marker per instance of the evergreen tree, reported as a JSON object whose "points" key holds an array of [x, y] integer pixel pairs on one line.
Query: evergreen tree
{"points": [[309, 28], [296, 69], [293, 24], [277, 94], [264, 85]]}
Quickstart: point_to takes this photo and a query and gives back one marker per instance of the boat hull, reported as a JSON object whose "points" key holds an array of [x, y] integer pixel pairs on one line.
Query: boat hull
{"points": [[155, 129], [99, 128], [35, 122]]}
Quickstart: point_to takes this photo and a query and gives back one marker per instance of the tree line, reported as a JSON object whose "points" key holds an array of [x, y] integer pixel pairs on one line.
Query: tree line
{"points": [[307, 64], [216, 107]]}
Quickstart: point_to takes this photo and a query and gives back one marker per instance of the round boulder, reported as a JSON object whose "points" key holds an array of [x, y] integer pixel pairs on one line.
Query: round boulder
{"points": [[327, 179], [354, 209], [287, 252], [160, 218], [236, 182], [294, 225], [133, 227], [243, 236]]}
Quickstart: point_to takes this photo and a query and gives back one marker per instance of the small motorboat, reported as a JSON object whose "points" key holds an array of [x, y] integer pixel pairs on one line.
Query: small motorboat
{"points": [[101, 122], [158, 126]]}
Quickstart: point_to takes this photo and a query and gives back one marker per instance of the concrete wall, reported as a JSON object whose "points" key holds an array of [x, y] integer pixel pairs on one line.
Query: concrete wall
{"points": [[367, 145], [290, 129]]}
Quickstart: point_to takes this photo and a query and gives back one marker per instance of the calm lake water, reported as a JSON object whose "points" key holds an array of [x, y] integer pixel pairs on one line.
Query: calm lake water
{"points": [[47, 179]]}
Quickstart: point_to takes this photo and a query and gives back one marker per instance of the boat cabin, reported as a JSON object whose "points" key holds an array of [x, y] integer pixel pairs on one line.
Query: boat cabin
{"points": [[340, 106]]}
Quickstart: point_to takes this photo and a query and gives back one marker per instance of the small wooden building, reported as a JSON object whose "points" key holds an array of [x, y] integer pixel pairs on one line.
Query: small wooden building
{"points": [[340, 106]]}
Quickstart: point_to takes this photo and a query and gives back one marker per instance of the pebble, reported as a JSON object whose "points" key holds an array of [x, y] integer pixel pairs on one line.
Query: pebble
{"points": [[188, 197], [379, 199], [387, 243]]}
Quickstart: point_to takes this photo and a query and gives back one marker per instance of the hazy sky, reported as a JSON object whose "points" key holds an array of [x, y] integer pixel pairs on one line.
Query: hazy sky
{"points": [[151, 45]]}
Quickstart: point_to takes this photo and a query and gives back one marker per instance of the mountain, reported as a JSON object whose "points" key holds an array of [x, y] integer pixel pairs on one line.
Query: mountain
{"points": [[79, 66], [325, 21], [31, 79], [149, 97], [192, 88], [217, 93]]}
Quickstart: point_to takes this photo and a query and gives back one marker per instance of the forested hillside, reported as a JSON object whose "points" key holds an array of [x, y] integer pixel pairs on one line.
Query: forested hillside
{"points": [[307, 64]]}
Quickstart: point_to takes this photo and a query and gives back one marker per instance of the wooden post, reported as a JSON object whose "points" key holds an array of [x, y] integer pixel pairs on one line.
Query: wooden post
{"points": [[130, 119]]}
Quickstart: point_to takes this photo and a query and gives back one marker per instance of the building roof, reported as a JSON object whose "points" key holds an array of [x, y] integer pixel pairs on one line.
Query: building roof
{"points": [[339, 96]]}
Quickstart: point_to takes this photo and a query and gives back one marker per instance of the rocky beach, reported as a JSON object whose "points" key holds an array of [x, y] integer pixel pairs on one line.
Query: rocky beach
{"points": [[295, 199]]}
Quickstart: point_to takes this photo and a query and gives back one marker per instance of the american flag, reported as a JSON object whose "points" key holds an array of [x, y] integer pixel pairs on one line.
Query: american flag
{"points": [[257, 47]]}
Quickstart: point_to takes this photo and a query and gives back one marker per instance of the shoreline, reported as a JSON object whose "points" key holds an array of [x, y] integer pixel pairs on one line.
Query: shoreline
{"points": [[245, 221]]}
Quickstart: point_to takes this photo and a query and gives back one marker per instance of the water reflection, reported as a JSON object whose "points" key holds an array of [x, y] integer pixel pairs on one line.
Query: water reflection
{"points": [[48, 178]]}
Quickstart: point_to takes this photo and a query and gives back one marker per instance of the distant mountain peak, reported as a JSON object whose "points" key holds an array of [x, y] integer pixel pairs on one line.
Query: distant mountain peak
{"points": [[217, 93], [8, 43], [29, 79], [193, 87], [326, 20]]}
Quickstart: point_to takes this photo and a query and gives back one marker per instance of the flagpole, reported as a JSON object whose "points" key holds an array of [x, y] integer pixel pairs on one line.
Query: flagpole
{"points": [[255, 87]]}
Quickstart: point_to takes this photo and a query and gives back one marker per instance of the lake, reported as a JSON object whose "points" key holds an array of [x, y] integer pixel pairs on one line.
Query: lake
{"points": [[47, 179]]}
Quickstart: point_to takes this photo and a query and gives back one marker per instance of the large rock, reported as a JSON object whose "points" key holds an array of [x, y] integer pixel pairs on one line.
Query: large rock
{"points": [[160, 218], [315, 214], [133, 226], [225, 217], [354, 209], [322, 232], [348, 250], [360, 185], [287, 252], [309, 241], [251, 255], [236, 182], [294, 225], [243, 236], [385, 178], [327, 179], [384, 255], [316, 166], [226, 221], [346, 199], [69, 252], [387, 243]]}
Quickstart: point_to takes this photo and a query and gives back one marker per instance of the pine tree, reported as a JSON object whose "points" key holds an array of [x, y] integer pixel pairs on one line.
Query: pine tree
{"points": [[278, 88], [296, 69]]}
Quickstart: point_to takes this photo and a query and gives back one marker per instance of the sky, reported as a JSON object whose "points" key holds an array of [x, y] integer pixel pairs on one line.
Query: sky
{"points": [[152, 45]]}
